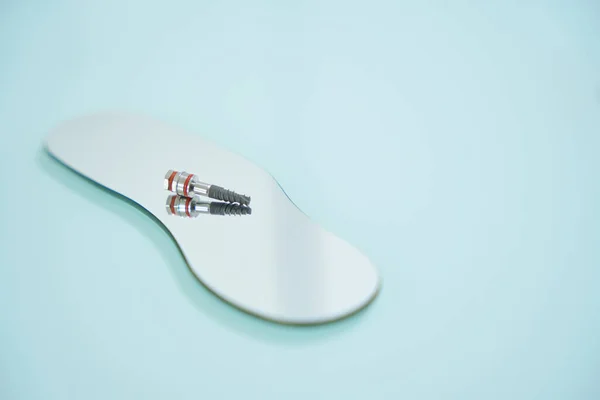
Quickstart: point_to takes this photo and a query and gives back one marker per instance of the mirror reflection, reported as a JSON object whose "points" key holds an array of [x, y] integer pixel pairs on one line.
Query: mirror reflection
{"points": [[186, 207]]}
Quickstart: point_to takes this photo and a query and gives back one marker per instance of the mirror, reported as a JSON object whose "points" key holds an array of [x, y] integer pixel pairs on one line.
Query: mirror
{"points": [[267, 258]]}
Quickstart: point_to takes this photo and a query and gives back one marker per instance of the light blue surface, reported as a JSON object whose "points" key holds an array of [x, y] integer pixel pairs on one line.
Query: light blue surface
{"points": [[457, 146]]}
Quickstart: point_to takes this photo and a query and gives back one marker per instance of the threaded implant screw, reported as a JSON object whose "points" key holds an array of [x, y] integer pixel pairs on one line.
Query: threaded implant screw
{"points": [[188, 185], [187, 207]]}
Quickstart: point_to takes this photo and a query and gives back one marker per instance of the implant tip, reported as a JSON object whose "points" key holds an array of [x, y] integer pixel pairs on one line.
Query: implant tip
{"points": [[221, 208], [219, 193]]}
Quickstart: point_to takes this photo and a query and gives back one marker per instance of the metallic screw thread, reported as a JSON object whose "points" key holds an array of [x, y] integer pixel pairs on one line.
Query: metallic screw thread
{"points": [[229, 209], [219, 193], [188, 185], [190, 208]]}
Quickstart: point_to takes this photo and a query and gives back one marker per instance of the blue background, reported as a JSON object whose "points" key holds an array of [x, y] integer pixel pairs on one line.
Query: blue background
{"points": [[456, 145]]}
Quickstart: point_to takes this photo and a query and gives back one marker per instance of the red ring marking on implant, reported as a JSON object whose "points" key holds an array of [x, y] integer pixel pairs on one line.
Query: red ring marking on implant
{"points": [[187, 207], [172, 205], [171, 180], [185, 185]]}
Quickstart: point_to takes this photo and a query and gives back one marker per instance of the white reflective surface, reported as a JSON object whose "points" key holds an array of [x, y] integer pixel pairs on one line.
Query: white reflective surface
{"points": [[275, 263]]}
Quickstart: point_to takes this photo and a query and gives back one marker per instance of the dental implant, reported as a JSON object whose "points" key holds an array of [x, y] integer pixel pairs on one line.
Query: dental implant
{"points": [[188, 185], [191, 208]]}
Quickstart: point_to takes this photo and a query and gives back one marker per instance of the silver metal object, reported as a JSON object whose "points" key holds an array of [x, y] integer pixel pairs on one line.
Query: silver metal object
{"points": [[185, 184], [188, 185], [187, 207]]}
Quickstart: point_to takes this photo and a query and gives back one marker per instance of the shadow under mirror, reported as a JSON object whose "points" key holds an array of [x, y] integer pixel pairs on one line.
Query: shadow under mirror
{"points": [[203, 299]]}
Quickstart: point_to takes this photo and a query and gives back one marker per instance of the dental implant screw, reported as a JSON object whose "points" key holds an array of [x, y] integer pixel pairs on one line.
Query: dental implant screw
{"points": [[191, 208], [188, 185]]}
